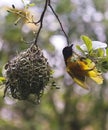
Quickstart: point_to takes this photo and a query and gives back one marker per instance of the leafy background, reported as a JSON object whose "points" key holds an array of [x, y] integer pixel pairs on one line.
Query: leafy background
{"points": [[70, 107]]}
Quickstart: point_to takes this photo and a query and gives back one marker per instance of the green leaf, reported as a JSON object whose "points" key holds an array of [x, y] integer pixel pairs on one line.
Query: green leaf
{"points": [[2, 79], [32, 4], [88, 42], [100, 52], [22, 1], [107, 51], [104, 65], [80, 49]]}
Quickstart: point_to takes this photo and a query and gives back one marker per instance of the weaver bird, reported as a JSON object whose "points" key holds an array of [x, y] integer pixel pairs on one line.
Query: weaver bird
{"points": [[79, 68]]}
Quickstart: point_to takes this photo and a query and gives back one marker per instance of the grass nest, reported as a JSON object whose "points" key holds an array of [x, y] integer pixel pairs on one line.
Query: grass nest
{"points": [[27, 75]]}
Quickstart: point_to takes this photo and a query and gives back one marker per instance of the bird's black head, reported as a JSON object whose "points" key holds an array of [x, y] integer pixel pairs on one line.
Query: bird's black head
{"points": [[67, 52]]}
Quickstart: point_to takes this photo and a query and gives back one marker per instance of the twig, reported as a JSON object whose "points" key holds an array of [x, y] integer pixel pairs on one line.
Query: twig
{"points": [[49, 4], [41, 22]]}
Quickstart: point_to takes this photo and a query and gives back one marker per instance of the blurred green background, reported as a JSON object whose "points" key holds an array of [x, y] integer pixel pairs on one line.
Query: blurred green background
{"points": [[70, 107]]}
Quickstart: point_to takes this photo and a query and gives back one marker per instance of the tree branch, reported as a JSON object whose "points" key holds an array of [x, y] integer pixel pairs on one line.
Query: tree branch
{"points": [[49, 4], [40, 21]]}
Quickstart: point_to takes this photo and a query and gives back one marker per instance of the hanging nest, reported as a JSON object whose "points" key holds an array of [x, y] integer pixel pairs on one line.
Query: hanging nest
{"points": [[27, 74]]}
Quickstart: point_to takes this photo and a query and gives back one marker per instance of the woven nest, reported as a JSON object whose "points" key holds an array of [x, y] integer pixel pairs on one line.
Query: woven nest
{"points": [[27, 74]]}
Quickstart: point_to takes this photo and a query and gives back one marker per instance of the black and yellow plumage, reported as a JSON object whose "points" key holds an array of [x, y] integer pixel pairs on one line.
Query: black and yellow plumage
{"points": [[79, 68]]}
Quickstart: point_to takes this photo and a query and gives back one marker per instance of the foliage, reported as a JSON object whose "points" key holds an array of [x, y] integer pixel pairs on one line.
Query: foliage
{"points": [[96, 51]]}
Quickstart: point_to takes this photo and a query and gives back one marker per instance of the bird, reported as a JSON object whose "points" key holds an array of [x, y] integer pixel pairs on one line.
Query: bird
{"points": [[80, 68]]}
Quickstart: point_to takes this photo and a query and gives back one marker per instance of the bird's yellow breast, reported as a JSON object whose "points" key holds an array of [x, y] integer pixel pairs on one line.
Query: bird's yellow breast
{"points": [[79, 69]]}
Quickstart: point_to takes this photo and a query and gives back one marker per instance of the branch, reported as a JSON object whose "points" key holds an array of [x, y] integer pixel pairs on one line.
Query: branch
{"points": [[49, 4], [41, 22]]}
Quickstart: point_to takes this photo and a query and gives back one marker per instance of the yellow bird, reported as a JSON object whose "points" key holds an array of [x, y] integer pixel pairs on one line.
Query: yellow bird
{"points": [[79, 68]]}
